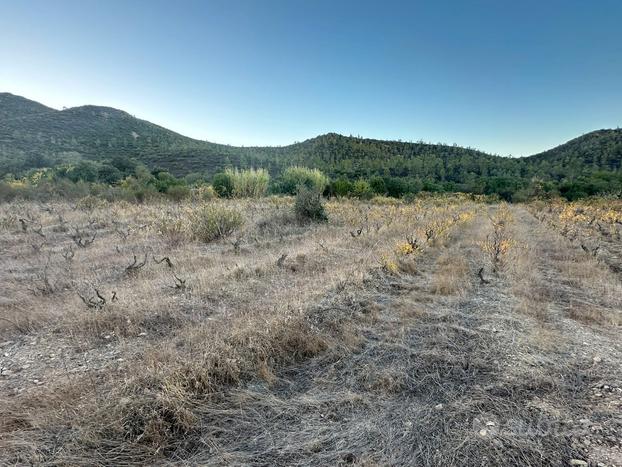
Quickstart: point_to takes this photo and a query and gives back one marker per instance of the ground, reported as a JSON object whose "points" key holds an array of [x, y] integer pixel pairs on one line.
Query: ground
{"points": [[445, 331]]}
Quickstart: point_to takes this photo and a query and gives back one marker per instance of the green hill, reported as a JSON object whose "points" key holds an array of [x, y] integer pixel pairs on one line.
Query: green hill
{"points": [[32, 135], [16, 107], [598, 150]]}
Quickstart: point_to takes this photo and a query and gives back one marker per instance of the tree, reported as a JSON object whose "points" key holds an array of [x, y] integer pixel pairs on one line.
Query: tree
{"points": [[361, 189], [85, 171], [341, 187], [109, 174]]}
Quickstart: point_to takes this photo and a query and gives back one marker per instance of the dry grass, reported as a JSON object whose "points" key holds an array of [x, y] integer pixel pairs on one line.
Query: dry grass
{"points": [[279, 342], [191, 318], [589, 313], [451, 275]]}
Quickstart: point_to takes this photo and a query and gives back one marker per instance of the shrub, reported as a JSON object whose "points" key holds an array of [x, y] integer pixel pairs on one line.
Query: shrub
{"points": [[223, 184], [341, 187], [163, 181], [409, 197], [178, 192], [395, 187], [173, 227], [309, 205], [212, 222], [361, 189], [295, 176], [249, 183], [204, 193], [90, 202], [109, 174], [85, 171], [8, 192], [135, 188], [377, 185]]}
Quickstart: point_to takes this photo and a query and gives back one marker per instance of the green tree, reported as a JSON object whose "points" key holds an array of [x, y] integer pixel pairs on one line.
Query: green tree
{"points": [[109, 174], [341, 187], [361, 189]]}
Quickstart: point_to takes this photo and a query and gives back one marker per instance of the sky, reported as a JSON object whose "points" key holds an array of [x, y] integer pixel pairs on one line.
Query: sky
{"points": [[504, 76]]}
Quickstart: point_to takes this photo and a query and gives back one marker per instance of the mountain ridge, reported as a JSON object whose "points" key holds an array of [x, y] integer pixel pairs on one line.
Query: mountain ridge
{"points": [[34, 135]]}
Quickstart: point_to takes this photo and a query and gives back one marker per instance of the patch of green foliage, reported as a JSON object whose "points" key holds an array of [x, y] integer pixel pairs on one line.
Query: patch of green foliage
{"points": [[295, 176]]}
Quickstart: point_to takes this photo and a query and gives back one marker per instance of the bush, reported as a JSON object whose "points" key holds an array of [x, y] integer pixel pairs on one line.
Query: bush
{"points": [[173, 227], [341, 187], [90, 202], [223, 184], [204, 193], [135, 189], [295, 176], [377, 184], [109, 174], [178, 192], [309, 205], [362, 190], [249, 183], [85, 171], [212, 222], [395, 187]]}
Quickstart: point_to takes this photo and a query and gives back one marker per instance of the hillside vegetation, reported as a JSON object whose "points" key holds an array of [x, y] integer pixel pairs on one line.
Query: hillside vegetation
{"points": [[33, 136]]}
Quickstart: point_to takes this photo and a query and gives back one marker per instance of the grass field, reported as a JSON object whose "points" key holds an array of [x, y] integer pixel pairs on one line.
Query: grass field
{"points": [[445, 331]]}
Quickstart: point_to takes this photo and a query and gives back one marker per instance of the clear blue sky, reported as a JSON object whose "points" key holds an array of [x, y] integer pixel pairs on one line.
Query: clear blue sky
{"points": [[505, 76]]}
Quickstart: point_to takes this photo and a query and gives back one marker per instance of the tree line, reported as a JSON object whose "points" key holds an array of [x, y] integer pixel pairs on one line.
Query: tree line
{"points": [[126, 178]]}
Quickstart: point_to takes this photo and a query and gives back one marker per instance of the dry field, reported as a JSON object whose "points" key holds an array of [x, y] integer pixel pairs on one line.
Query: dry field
{"points": [[596, 225], [439, 332]]}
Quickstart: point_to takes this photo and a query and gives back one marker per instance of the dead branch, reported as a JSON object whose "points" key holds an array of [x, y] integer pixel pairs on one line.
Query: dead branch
{"points": [[179, 283], [123, 234], [39, 231], [480, 274], [413, 242], [237, 242], [43, 278], [38, 246], [590, 251], [96, 302], [81, 239], [281, 260], [136, 265], [165, 259], [357, 232]]}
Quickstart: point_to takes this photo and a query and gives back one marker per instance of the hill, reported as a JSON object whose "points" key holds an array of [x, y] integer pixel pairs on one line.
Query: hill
{"points": [[15, 107], [600, 150], [37, 136], [33, 135], [49, 137]]}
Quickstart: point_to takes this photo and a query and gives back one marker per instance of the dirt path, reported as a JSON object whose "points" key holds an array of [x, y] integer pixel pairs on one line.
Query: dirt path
{"points": [[580, 300], [450, 371]]}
